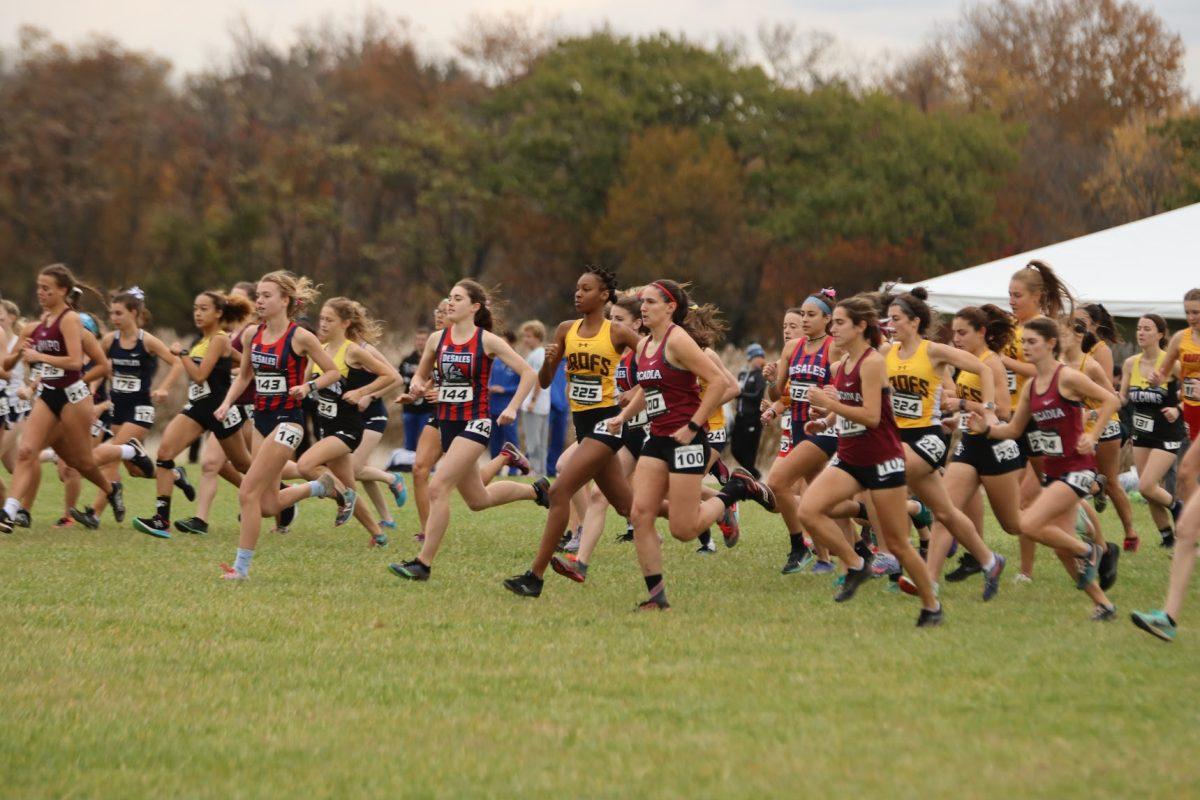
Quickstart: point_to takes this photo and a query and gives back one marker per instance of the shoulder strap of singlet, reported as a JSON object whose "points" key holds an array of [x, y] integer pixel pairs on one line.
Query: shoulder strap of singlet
{"points": [[287, 339], [798, 353], [575, 326], [1053, 387]]}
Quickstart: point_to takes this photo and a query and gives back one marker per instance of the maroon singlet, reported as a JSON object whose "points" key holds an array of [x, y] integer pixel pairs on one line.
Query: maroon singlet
{"points": [[672, 394], [1060, 424], [48, 339], [859, 445]]}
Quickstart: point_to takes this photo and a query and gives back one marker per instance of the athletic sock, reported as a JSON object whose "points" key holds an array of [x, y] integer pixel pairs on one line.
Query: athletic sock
{"points": [[706, 538], [1163, 532], [127, 452], [315, 489], [11, 507], [798, 545], [991, 562], [581, 567], [162, 506], [653, 582], [242, 562]]}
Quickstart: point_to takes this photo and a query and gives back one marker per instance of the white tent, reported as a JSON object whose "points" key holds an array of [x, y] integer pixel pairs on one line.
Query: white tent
{"points": [[1138, 268]]}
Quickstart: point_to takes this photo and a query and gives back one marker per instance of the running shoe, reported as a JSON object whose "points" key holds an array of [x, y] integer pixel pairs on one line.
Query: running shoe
{"points": [[908, 586], [412, 570], [892, 587], [526, 584], [286, 518], [568, 567], [1104, 613], [797, 560], [65, 522], [991, 578], [1107, 571], [1167, 543], [399, 490], [1022, 579], [1087, 565], [572, 545], [656, 602], [885, 564], [967, 566], [541, 492], [710, 547], [154, 526], [720, 471], [87, 518], [346, 500], [1155, 623], [141, 459], [1131, 544], [1176, 510], [730, 524], [1100, 498], [116, 499], [823, 568], [854, 579], [228, 573], [22, 520], [930, 619], [183, 484], [747, 487], [192, 525], [627, 536], [379, 539], [516, 459], [390, 524], [6, 524]]}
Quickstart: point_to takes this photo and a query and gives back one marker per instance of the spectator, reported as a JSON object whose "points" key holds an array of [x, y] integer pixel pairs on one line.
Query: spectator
{"points": [[560, 416], [747, 423], [503, 386], [535, 414], [416, 414]]}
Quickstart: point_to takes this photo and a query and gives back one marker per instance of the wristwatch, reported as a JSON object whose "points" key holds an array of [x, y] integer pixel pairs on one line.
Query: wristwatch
{"points": [[692, 426]]}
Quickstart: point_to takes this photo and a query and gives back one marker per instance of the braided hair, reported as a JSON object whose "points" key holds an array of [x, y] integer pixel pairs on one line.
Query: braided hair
{"points": [[608, 280]]}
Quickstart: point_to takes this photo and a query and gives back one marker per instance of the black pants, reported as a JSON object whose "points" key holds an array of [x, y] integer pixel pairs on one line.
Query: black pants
{"points": [[746, 435]]}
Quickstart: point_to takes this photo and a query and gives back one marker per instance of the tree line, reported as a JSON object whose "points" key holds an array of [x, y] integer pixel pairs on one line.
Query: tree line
{"points": [[355, 158]]}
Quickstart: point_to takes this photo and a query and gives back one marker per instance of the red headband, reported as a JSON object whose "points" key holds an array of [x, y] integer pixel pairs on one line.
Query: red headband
{"points": [[666, 291]]}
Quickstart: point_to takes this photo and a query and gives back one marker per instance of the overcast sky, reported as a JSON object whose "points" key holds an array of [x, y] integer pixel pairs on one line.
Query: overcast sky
{"points": [[195, 33]]}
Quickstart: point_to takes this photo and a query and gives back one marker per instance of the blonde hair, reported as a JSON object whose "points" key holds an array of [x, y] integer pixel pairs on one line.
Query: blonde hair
{"points": [[536, 328], [299, 291], [363, 327]]}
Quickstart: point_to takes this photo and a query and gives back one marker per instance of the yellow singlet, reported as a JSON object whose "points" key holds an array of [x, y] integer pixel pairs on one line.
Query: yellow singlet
{"points": [[916, 388], [200, 349], [1089, 424], [1015, 350], [1189, 369], [591, 368], [716, 421], [970, 385], [339, 361]]}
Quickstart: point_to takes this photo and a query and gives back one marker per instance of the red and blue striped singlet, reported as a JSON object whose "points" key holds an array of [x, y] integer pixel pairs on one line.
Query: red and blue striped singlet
{"points": [[276, 370], [806, 371], [463, 374]]}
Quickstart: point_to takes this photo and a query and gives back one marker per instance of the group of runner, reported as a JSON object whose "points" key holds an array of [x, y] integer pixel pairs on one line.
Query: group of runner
{"points": [[888, 423]]}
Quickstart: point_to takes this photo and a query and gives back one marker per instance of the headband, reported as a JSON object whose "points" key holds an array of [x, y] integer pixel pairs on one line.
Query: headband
{"points": [[665, 291], [904, 306], [820, 301]]}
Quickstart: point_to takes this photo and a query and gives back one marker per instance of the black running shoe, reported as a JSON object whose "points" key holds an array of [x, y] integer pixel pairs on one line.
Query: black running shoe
{"points": [[22, 520], [797, 560], [525, 585], [991, 580], [1100, 498], [929, 619], [541, 492], [183, 484], [720, 471], [87, 518], [141, 459], [968, 565], [116, 499], [627, 536], [412, 570], [656, 603], [6, 524], [1168, 540], [154, 526], [854, 579], [1087, 566], [863, 548], [192, 525], [1107, 571], [745, 486], [1176, 510], [1104, 614], [287, 516]]}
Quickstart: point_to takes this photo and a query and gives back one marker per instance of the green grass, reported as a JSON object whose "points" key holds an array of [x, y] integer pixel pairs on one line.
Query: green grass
{"points": [[130, 670]]}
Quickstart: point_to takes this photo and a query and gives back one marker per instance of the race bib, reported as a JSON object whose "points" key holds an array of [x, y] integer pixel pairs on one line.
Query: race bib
{"points": [[1112, 430], [907, 406], [847, 428], [639, 420], [3, 406], [233, 418], [932, 446], [1048, 443], [1191, 389], [785, 423], [889, 467], [288, 435], [480, 427], [1011, 377], [1006, 450], [143, 414], [689, 456], [785, 443], [270, 384], [198, 391], [719, 436], [77, 392], [1143, 423], [24, 406], [455, 393], [585, 390], [601, 429], [1081, 480], [126, 384], [47, 372], [656, 404], [327, 408], [799, 391], [96, 428]]}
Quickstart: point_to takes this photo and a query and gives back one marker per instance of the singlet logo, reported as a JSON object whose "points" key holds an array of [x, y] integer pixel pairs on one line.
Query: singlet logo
{"points": [[588, 362], [648, 375], [909, 384], [262, 360], [1047, 414]]}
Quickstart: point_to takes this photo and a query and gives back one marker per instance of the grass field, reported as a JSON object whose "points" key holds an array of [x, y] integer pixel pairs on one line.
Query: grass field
{"points": [[130, 670]]}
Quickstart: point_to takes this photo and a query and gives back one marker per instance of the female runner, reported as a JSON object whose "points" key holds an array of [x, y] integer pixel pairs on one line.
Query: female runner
{"points": [[1185, 348], [345, 330], [208, 365], [870, 456], [462, 356], [1053, 400], [675, 455], [54, 350], [592, 347], [1158, 428]]}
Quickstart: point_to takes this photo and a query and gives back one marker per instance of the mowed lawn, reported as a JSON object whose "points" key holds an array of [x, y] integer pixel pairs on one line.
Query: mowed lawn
{"points": [[130, 670]]}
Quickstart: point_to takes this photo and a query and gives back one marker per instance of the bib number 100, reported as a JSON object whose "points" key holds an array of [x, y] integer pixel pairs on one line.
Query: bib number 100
{"points": [[689, 456]]}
